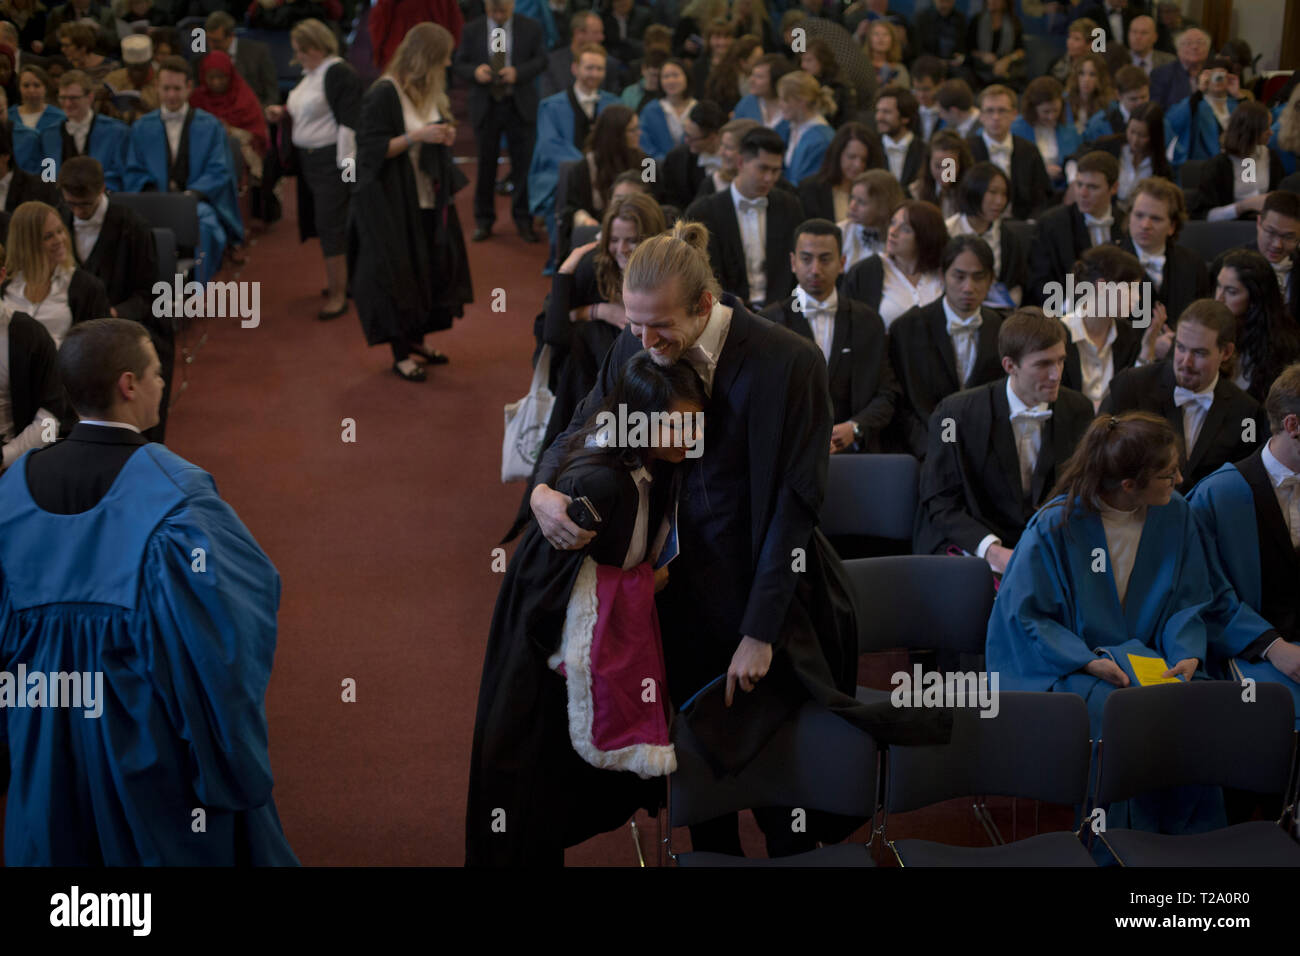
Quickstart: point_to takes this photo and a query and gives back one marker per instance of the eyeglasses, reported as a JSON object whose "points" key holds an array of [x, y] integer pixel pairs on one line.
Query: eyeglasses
{"points": [[1272, 235]]}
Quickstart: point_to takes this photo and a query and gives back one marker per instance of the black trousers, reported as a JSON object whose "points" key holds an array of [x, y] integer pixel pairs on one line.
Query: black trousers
{"points": [[520, 136]]}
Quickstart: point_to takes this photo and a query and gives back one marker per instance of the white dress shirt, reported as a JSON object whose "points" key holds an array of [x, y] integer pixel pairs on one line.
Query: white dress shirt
{"points": [[959, 225], [5, 182], [929, 120], [413, 120], [704, 354], [1099, 227], [1027, 429], [897, 294], [1123, 535], [174, 124], [1286, 486], [636, 547], [752, 218], [507, 39], [1096, 365], [675, 119], [79, 132], [896, 153], [1045, 139], [821, 316], [53, 311], [1153, 264], [857, 244], [314, 125], [1129, 173], [1142, 61], [964, 332], [86, 233], [588, 101], [1284, 271], [1195, 406], [1000, 152]]}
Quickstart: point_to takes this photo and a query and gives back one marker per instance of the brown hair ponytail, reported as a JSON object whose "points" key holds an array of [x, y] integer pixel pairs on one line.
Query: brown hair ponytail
{"points": [[1134, 445]]}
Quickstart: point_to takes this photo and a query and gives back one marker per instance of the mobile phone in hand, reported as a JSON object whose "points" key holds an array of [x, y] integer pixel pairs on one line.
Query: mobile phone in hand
{"points": [[583, 513]]}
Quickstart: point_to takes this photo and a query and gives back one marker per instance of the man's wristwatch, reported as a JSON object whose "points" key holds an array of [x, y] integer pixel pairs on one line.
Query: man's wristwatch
{"points": [[857, 432]]}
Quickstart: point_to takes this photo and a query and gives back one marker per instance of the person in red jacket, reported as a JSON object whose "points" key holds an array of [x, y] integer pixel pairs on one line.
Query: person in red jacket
{"points": [[390, 19]]}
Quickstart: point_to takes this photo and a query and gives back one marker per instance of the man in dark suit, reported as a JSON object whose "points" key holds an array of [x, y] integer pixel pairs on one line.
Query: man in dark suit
{"points": [[499, 57], [1277, 239], [115, 244], [735, 604], [995, 451], [850, 335], [1177, 81], [1215, 420], [948, 345], [1018, 158], [252, 59], [751, 225], [1177, 274], [588, 28], [941, 31], [624, 24], [689, 162], [1065, 232], [898, 120], [1113, 16], [18, 186]]}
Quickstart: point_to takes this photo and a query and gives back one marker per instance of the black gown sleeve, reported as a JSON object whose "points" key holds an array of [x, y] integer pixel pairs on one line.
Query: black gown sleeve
{"points": [[343, 93], [87, 297], [570, 291]]}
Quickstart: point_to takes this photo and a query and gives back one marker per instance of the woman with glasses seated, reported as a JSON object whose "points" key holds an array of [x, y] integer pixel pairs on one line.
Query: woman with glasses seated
{"points": [[1109, 580]]}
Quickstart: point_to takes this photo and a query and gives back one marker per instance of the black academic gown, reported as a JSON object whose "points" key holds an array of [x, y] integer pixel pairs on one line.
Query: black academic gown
{"points": [[1183, 280], [34, 381], [1150, 388], [727, 251], [409, 267], [1031, 188], [926, 365], [24, 187], [523, 761], [1218, 179], [1124, 354], [1061, 238], [748, 508], [682, 176], [862, 384], [970, 487], [1279, 562]]}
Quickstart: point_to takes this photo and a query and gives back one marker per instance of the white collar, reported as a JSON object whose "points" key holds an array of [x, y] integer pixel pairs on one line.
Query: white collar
{"points": [[585, 97], [1143, 254], [990, 142], [7, 179], [1277, 471], [830, 304], [96, 220], [108, 424], [81, 124], [737, 197], [1079, 330], [169, 117], [1018, 406], [714, 335], [902, 143], [953, 317], [641, 475], [1208, 390]]}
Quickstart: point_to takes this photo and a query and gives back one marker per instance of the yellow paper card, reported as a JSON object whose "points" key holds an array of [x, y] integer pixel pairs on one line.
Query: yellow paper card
{"points": [[1147, 670]]}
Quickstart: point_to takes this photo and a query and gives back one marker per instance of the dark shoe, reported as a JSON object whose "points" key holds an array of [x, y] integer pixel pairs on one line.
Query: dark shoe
{"points": [[526, 232], [415, 375], [482, 232], [432, 356], [325, 315]]}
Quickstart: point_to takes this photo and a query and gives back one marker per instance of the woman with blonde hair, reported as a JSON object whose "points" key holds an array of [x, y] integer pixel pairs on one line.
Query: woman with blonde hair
{"points": [[324, 108], [406, 251], [885, 50], [43, 279], [806, 104], [1286, 130], [1088, 90]]}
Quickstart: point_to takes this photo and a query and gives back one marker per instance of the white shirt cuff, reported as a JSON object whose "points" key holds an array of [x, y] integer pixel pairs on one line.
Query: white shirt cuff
{"points": [[988, 542]]}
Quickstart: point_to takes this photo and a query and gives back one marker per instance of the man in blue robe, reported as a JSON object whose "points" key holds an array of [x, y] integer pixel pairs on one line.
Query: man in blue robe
{"points": [[86, 133], [1249, 515], [181, 149], [563, 121], [138, 611]]}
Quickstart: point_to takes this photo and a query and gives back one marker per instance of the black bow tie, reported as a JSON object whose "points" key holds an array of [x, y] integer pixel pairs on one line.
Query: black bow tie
{"points": [[870, 235]]}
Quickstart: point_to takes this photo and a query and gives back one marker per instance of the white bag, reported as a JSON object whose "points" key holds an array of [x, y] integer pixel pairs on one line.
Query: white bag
{"points": [[526, 422]]}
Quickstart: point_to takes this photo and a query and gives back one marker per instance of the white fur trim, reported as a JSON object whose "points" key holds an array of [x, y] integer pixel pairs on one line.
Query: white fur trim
{"points": [[645, 760]]}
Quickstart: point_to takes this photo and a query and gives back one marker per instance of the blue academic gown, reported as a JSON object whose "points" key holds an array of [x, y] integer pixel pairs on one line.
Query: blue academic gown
{"points": [[1289, 159], [1224, 507], [1054, 614], [27, 141], [554, 146], [1068, 139], [1197, 136], [107, 142], [211, 173], [185, 657], [656, 138], [540, 11], [810, 152], [749, 108]]}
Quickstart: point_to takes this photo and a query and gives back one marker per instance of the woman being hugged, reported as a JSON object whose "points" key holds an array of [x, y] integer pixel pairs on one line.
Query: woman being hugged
{"points": [[406, 251]]}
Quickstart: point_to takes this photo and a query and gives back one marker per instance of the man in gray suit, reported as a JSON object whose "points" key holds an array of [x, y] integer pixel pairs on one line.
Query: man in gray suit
{"points": [[1142, 45], [252, 59]]}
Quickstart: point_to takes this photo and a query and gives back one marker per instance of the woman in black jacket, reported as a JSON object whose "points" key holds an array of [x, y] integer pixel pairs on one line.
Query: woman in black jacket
{"points": [[1225, 191], [324, 108], [854, 149], [43, 278], [612, 147], [406, 251]]}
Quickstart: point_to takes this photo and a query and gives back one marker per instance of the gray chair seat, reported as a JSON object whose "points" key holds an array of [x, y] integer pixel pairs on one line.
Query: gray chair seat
{"points": [[1047, 849], [839, 854], [1261, 843]]}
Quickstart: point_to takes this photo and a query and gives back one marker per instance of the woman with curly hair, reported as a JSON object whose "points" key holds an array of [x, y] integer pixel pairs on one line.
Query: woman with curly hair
{"points": [[947, 150]]}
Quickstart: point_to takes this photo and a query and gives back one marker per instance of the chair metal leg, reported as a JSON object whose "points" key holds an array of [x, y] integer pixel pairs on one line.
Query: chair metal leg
{"points": [[636, 842]]}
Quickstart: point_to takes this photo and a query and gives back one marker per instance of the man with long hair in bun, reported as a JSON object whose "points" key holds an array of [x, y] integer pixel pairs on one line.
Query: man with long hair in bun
{"points": [[756, 592], [1112, 568]]}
